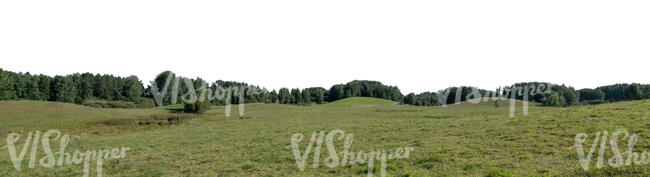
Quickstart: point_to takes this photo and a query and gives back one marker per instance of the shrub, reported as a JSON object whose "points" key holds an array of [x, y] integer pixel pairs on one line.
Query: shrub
{"points": [[143, 102], [109, 104], [121, 104], [554, 99], [594, 102], [197, 107], [138, 103]]}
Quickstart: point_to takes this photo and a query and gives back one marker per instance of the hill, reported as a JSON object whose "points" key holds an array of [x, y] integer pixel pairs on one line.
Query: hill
{"points": [[361, 102]]}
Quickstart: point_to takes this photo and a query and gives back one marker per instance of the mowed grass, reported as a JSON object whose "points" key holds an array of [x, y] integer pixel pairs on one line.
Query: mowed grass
{"points": [[456, 140]]}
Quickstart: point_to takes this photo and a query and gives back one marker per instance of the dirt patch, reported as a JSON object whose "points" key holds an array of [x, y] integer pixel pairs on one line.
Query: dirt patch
{"points": [[438, 117]]}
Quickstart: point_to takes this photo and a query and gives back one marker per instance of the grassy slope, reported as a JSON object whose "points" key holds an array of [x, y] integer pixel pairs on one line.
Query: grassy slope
{"points": [[457, 140], [361, 102]]}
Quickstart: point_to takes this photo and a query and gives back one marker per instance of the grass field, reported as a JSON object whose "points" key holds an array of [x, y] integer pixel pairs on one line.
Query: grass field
{"points": [[457, 140]]}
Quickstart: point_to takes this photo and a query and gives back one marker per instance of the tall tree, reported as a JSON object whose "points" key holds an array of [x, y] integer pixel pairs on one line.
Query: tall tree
{"points": [[85, 85], [100, 88], [64, 89], [410, 99], [571, 96], [132, 88], [19, 84], [33, 91], [273, 96], [6, 86], [296, 97], [44, 84], [306, 96], [317, 94], [634, 92], [284, 96], [614, 93], [336, 92]]}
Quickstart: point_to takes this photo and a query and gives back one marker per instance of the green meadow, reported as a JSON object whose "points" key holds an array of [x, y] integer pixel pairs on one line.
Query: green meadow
{"points": [[457, 140]]}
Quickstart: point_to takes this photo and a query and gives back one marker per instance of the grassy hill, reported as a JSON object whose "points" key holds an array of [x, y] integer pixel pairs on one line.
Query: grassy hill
{"points": [[457, 140], [361, 102]]}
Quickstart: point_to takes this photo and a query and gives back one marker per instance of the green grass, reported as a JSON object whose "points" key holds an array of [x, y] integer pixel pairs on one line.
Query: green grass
{"points": [[360, 102], [457, 140]]}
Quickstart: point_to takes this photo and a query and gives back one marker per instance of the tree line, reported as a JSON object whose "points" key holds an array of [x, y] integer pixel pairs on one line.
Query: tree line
{"points": [[562, 95], [555, 96], [73, 88], [88, 88]]}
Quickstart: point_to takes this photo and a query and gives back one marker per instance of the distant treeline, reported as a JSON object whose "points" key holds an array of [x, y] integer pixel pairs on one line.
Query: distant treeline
{"points": [[557, 96], [113, 91], [178, 87], [74, 88], [562, 95]]}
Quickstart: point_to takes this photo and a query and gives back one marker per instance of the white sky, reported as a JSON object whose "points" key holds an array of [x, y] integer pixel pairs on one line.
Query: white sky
{"points": [[416, 45]]}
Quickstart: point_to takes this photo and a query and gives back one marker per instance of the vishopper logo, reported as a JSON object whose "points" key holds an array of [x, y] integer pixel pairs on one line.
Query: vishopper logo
{"points": [[474, 95], [206, 94], [618, 158], [348, 157], [64, 158]]}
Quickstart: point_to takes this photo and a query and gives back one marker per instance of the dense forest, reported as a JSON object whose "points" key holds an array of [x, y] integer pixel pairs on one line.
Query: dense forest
{"points": [[78, 88], [129, 92]]}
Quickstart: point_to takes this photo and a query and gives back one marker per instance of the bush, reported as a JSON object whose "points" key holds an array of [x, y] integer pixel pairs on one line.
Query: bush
{"points": [[554, 99], [121, 104], [138, 103], [198, 107], [109, 104], [593, 102], [143, 102]]}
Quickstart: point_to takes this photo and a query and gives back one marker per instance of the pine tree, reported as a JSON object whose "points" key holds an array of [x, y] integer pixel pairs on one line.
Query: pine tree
{"points": [[64, 89], [296, 97], [319, 96], [633, 92], [85, 85], [306, 96], [284, 96]]}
